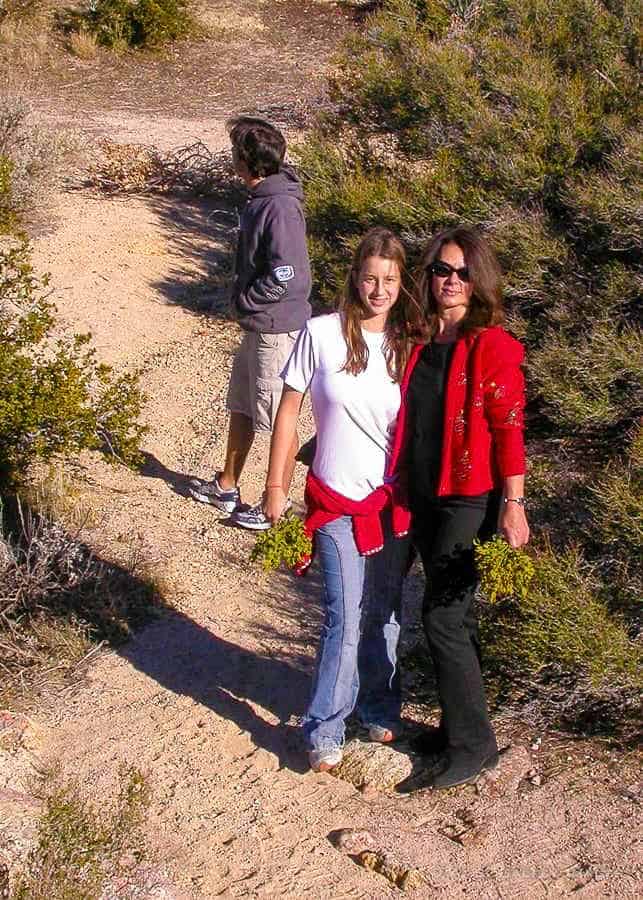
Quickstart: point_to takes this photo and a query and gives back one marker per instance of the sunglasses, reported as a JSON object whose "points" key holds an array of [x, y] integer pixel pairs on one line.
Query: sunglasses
{"points": [[443, 270]]}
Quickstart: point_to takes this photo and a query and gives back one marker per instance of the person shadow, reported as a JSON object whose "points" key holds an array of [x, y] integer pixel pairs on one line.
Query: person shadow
{"points": [[190, 660], [151, 467]]}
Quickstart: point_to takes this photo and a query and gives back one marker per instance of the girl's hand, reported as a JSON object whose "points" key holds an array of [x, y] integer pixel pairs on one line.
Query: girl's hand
{"points": [[512, 524], [273, 503]]}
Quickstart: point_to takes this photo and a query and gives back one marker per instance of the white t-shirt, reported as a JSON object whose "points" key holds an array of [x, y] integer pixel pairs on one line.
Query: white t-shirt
{"points": [[355, 415]]}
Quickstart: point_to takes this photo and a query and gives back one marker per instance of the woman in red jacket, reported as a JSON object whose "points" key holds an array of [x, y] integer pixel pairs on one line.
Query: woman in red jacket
{"points": [[462, 425]]}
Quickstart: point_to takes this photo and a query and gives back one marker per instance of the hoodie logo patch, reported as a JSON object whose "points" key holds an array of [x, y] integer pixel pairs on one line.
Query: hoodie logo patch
{"points": [[284, 273]]}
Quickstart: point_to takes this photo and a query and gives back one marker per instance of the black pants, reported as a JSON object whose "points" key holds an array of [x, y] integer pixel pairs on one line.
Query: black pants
{"points": [[443, 532]]}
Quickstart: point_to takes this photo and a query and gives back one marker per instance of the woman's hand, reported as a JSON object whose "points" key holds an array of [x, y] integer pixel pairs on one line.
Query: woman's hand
{"points": [[274, 503], [512, 524]]}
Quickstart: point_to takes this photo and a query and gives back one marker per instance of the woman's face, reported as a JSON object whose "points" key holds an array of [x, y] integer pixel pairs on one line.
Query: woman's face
{"points": [[378, 283], [450, 290]]}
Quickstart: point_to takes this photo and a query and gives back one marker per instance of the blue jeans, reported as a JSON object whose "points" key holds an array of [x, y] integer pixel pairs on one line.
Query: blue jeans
{"points": [[357, 659]]}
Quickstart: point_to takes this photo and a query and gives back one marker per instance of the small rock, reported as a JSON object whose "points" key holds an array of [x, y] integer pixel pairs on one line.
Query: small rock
{"points": [[352, 841], [404, 877], [368, 791], [372, 764], [466, 815], [510, 771], [536, 780], [4, 880], [467, 837], [411, 880], [473, 837]]}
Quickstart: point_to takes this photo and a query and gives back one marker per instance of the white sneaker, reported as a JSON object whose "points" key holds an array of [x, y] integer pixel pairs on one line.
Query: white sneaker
{"points": [[253, 517], [211, 492], [325, 760]]}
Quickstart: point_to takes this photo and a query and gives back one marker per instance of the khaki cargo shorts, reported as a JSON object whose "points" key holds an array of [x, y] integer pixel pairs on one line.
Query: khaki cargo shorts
{"points": [[255, 386]]}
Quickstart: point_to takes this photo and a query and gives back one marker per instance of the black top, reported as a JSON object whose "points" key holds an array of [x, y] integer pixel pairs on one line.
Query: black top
{"points": [[426, 419]]}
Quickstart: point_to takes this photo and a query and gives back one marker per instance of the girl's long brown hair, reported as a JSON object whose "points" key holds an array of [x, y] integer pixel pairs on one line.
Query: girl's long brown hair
{"points": [[405, 324], [485, 307]]}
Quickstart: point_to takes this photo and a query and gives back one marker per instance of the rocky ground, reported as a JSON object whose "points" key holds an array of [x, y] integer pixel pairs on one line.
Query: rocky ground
{"points": [[205, 699]]}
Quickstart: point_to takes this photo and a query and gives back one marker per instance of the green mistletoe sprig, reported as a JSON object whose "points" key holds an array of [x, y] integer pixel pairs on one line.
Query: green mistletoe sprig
{"points": [[286, 542], [504, 572]]}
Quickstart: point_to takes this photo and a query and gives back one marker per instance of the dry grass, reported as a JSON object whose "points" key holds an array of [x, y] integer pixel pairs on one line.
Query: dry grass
{"points": [[59, 601], [26, 44], [40, 157], [82, 44], [81, 846], [226, 23], [56, 495], [136, 168]]}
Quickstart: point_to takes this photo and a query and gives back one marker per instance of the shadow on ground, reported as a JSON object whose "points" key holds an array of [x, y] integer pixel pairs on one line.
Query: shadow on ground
{"points": [[191, 660], [88, 597], [179, 482], [201, 235]]}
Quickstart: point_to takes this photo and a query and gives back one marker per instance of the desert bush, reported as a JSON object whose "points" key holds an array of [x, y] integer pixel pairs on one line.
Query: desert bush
{"points": [[285, 543], [81, 844], [559, 620], [561, 633], [55, 397], [519, 117], [135, 23], [32, 162], [58, 599], [19, 10]]}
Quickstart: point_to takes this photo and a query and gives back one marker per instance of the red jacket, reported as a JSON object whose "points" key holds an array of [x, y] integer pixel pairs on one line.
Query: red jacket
{"points": [[483, 413]]}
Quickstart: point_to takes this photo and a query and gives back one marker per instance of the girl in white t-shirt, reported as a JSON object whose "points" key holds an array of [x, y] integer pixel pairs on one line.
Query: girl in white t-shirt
{"points": [[352, 361]]}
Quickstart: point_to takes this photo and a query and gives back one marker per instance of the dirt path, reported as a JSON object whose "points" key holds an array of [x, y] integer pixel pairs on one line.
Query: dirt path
{"points": [[205, 700]]}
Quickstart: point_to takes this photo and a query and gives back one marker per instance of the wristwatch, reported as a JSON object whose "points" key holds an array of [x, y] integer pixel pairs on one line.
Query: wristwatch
{"points": [[519, 500]]}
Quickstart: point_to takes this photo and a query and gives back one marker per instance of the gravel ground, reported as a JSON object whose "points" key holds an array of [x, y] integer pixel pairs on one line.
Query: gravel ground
{"points": [[205, 699]]}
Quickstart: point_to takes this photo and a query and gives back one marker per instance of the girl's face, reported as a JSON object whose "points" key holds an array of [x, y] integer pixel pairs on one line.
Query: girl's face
{"points": [[452, 290], [378, 283]]}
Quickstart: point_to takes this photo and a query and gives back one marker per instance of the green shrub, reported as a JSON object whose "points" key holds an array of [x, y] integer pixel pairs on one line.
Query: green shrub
{"points": [[7, 213], [520, 117], [137, 23], [559, 622], [54, 396], [80, 843]]}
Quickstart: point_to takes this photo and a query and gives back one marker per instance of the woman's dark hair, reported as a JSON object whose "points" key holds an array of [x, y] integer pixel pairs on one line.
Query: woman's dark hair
{"points": [[485, 307], [405, 324], [258, 144]]}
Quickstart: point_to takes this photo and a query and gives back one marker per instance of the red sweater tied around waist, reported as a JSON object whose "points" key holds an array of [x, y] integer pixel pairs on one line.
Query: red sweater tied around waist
{"points": [[324, 505]]}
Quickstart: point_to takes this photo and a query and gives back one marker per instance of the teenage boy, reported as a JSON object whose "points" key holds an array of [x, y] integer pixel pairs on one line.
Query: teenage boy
{"points": [[270, 294]]}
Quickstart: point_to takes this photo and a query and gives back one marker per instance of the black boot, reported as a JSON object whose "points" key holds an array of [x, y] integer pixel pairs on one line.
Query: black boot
{"points": [[430, 742], [464, 769], [423, 778]]}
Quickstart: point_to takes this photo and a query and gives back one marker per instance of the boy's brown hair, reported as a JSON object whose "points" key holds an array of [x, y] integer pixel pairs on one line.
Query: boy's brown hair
{"points": [[258, 144]]}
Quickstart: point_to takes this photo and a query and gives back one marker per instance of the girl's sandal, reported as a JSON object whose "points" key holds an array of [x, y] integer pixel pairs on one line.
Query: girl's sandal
{"points": [[325, 760], [383, 735]]}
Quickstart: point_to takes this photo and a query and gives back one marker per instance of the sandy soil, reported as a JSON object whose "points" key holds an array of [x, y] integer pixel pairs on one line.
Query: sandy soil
{"points": [[205, 700]]}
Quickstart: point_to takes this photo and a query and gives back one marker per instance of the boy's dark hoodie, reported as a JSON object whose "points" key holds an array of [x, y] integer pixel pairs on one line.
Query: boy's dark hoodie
{"points": [[272, 272]]}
